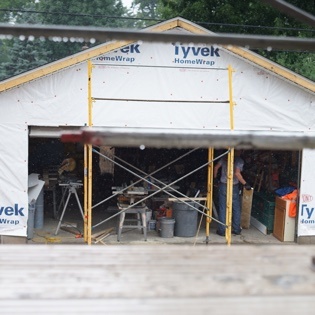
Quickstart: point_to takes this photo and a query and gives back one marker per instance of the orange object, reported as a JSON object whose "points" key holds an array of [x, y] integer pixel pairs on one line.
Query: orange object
{"points": [[169, 213], [292, 197], [292, 209], [165, 212]]}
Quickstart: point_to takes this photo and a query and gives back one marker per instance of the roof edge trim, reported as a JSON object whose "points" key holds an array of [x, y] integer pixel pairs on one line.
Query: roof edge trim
{"points": [[273, 67], [164, 26], [77, 58], [60, 64]]}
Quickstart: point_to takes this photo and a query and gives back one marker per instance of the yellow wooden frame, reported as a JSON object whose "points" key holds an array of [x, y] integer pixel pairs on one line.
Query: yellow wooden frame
{"points": [[209, 193]]}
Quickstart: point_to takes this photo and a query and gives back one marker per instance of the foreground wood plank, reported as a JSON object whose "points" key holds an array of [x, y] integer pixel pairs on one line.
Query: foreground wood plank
{"points": [[169, 279]]}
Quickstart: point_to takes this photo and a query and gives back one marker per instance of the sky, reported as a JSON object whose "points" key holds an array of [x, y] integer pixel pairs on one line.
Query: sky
{"points": [[127, 3]]}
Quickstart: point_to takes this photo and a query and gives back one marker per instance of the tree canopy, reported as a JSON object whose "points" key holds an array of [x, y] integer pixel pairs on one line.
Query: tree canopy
{"points": [[250, 17], [19, 56], [227, 16]]}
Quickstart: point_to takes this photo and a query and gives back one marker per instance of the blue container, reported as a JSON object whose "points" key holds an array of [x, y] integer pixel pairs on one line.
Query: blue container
{"points": [[152, 225]]}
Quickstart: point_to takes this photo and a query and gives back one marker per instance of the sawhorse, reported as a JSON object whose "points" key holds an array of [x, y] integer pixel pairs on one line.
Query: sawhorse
{"points": [[72, 189]]}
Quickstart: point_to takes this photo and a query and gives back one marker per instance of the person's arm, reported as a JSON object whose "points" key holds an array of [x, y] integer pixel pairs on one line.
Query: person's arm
{"points": [[239, 176], [216, 169]]}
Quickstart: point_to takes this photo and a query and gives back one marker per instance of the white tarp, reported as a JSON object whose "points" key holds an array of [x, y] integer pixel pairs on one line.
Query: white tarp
{"points": [[172, 72], [13, 179], [146, 85], [161, 97], [57, 100], [306, 218], [167, 73], [35, 186]]}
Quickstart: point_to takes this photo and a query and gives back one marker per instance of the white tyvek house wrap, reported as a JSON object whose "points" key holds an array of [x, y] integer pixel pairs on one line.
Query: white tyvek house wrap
{"points": [[306, 214], [13, 179], [176, 92], [263, 102], [58, 99], [173, 79]]}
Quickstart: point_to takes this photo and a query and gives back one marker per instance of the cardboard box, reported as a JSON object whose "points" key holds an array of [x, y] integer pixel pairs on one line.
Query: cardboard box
{"points": [[284, 226]]}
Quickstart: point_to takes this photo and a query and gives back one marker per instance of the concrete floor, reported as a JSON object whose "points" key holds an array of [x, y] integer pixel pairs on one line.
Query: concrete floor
{"points": [[73, 219]]}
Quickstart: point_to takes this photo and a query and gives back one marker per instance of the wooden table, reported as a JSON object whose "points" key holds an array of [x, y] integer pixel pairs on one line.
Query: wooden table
{"points": [[167, 279]]}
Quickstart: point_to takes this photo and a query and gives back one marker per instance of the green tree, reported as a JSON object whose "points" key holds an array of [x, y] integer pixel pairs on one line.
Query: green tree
{"points": [[249, 17], [147, 12], [9, 9], [21, 56], [82, 13], [25, 55], [100, 13]]}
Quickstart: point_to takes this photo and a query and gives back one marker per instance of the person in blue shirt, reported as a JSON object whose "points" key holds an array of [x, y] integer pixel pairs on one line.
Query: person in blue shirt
{"points": [[236, 205]]}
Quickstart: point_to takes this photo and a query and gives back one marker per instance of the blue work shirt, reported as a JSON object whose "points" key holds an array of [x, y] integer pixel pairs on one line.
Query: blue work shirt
{"points": [[238, 163]]}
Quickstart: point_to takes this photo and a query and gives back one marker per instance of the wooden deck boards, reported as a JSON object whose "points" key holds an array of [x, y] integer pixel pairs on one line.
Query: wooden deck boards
{"points": [[170, 279]]}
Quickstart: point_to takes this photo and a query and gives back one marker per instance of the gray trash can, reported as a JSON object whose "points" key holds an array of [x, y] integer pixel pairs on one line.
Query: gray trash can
{"points": [[30, 220], [167, 227], [186, 219]]}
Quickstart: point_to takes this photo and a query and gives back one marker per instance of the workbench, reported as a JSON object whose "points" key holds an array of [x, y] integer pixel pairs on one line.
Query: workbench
{"points": [[129, 202]]}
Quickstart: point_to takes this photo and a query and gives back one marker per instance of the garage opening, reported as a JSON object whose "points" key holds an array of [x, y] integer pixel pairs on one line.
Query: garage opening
{"points": [[270, 173]]}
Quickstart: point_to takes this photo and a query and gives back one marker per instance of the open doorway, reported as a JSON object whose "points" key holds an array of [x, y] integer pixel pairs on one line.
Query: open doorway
{"points": [[266, 171]]}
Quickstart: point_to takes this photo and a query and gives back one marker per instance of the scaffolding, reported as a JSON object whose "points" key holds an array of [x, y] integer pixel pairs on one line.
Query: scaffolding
{"points": [[207, 207]]}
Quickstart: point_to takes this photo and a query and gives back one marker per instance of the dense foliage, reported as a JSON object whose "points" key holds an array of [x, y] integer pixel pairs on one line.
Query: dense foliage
{"points": [[250, 17], [22, 55], [228, 16]]}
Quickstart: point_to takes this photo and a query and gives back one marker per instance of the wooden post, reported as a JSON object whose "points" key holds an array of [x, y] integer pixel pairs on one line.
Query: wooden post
{"points": [[88, 171], [230, 165], [209, 193], [85, 229], [229, 195]]}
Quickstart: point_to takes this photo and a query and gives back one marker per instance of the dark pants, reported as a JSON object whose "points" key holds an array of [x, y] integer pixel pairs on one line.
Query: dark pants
{"points": [[236, 208]]}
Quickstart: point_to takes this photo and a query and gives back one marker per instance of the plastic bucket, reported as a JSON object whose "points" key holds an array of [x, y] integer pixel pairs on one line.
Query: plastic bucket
{"points": [[152, 225], [167, 227], [186, 219]]}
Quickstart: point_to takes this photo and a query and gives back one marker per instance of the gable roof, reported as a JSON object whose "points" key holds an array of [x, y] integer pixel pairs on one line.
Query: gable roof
{"points": [[161, 27]]}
